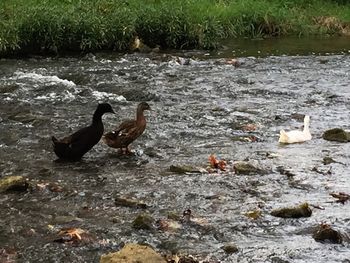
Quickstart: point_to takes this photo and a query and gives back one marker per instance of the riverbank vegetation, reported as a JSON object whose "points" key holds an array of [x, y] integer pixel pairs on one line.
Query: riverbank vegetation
{"points": [[54, 26]]}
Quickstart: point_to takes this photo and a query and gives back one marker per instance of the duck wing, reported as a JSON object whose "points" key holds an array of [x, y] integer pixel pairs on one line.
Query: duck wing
{"points": [[122, 136], [125, 127], [73, 139], [77, 144]]}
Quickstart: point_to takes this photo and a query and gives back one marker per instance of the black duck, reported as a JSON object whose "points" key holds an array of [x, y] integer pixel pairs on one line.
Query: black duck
{"points": [[74, 146]]}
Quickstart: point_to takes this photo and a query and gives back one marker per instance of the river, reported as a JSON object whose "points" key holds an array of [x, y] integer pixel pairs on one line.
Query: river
{"points": [[199, 105]]}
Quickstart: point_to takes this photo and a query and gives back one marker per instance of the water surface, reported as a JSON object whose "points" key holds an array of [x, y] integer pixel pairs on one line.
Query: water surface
{"points": [[199, 104]]}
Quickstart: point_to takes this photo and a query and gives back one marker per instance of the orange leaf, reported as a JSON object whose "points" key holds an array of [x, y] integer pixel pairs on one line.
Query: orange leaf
{"points": [[217, 164], [213, 162], [222, 165]]}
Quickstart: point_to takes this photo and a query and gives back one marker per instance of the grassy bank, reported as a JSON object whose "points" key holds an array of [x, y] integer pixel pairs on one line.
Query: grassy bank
{"points": [[53, 26]]}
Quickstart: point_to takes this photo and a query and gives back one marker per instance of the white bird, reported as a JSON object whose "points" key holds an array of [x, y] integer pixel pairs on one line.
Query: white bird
{"points": [[297, 136]]}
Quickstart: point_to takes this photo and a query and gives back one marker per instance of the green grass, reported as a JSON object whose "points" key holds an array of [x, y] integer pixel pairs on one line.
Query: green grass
{"points": [[54, 26]]}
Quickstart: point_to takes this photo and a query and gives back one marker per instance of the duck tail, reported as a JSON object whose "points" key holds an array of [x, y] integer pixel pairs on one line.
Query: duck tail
{"points": [[107, 138], [111, 139], [283, 137], [54, 139]]}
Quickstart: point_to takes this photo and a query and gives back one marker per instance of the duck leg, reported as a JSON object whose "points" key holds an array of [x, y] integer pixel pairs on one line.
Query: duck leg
{"points": [[124, 151], [128, 150], [121, 151]]}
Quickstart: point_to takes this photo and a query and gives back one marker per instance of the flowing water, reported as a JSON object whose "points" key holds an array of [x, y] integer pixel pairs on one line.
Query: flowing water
{"points": [[199, 105]]}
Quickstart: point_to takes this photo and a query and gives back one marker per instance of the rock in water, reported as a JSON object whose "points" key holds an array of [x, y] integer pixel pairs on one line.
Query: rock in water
{"points": [[242, 167], [336, 134], [302, 210], [182, 169], [325, 233], [143, 221], [17, 183], [132, 253], [230, 248]]}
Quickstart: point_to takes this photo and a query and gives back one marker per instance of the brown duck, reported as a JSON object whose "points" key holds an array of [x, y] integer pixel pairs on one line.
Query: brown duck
{"points": [[74, 146], [128, 131]]}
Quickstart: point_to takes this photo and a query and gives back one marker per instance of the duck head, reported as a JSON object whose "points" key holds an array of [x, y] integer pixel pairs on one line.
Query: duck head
{"points": [[104, 108], [143, 106]]}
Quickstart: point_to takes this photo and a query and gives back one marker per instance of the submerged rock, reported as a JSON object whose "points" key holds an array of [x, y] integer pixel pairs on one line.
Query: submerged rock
{"points": [[230, 248], [182, 169], [15, 183], [173, 246], [127, 202], [302, 210], [246, 168], [325, 233], [132, 253], [341, 197], [328, 160], [143, 221], [10, 88], [336, 134]]}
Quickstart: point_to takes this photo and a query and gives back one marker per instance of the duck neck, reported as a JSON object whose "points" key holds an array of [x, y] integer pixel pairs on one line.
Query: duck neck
{"points": [[97, 118], [140, 117], [306, 126]]}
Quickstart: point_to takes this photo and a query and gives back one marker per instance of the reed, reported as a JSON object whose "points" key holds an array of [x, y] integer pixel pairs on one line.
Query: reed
{"points": [[55, 26]]}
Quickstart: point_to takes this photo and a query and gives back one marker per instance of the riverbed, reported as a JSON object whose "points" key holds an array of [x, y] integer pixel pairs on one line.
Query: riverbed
{"points": [[200, 106]]}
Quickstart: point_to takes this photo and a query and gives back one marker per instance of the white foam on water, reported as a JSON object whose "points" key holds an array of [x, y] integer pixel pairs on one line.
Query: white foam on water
{"points": [[99, 95], [52, 80], [53, 96], [122, 60]]}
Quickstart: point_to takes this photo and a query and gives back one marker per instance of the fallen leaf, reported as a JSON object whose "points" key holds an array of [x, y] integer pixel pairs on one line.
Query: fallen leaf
{"points": [[255, 214], [217, 164], [71, 235]]}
